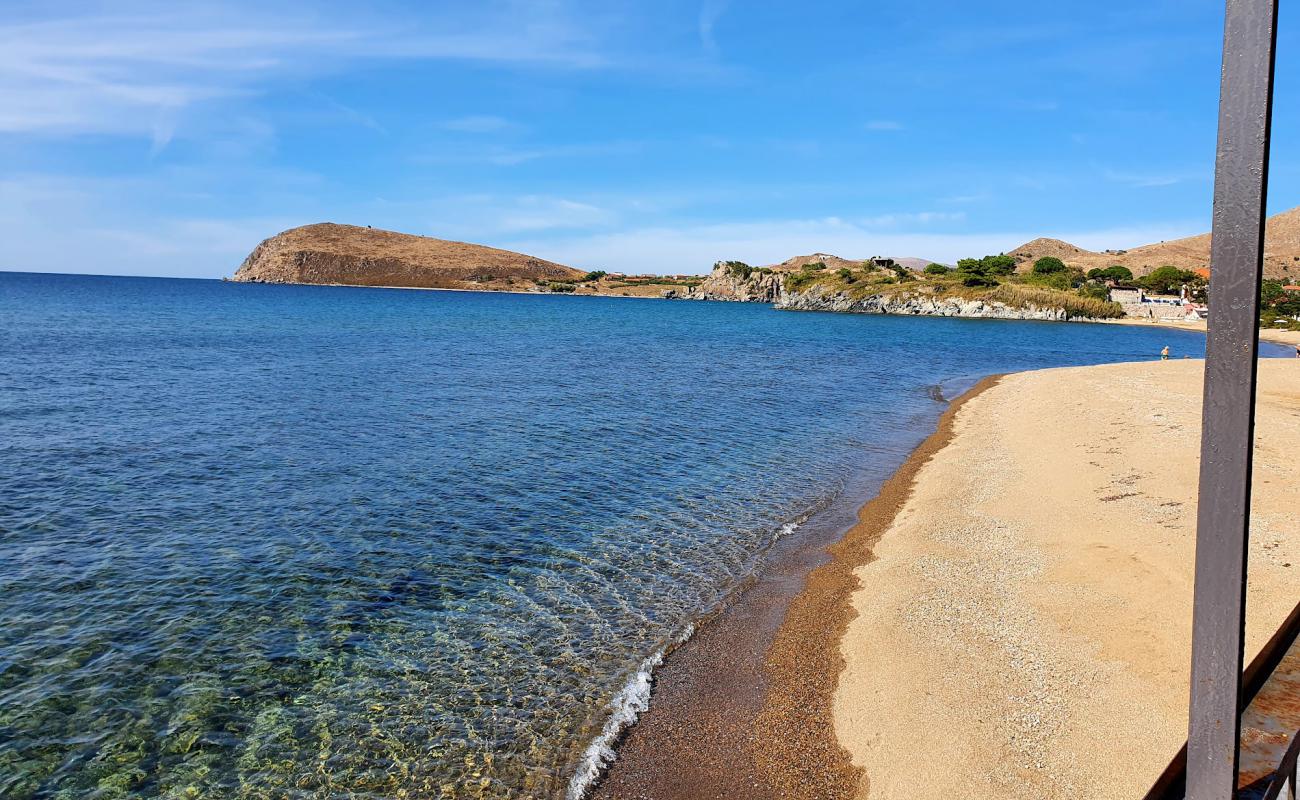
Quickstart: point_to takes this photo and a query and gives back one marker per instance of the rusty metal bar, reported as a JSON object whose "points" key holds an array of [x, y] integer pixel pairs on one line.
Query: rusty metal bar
{"points": [[1172, 783], [1228, 417], [1286, 773]]}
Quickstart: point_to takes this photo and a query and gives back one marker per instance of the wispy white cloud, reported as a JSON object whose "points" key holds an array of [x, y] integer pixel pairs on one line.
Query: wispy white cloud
{"points": [[1034, 105], [912, 218], [963, 199], [87, 225], [1148, 180], [695, 248], [76, 225], [484, 123], [503, 156], [710, 12], [143, 68], [534, 213]]}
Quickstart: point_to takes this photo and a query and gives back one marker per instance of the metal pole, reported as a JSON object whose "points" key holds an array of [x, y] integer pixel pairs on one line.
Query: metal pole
{"points": [[1228, 417]]}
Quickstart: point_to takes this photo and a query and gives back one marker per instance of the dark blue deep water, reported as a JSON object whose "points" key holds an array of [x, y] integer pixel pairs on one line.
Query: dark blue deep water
{"points": [[277, 541]]}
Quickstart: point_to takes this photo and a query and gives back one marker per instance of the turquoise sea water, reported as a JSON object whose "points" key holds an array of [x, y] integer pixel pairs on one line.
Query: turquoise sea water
{"points": [[278, 541]]}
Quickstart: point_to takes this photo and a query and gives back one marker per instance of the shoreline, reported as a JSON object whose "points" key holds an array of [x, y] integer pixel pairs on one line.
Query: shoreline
{"points": [[745, 702], [780, 696], [1273, 335]]}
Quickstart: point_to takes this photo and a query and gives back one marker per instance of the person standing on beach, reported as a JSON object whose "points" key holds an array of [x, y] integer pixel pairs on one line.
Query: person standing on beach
{"points": [[1164, 354]]}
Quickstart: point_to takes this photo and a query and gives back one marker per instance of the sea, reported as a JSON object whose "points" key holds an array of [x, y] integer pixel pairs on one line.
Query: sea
{"points": [[265, 541]]}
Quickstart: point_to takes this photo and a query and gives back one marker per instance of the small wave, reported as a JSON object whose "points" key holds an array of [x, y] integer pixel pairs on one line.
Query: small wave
{"points": [[788, 528], [634, 698], [630, 702]]}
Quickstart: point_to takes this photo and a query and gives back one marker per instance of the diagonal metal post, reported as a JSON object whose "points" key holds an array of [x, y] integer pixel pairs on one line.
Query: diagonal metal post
{"points": [[1228, 418]]}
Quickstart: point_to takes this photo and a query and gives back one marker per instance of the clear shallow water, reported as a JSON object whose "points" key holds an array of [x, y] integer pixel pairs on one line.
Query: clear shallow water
{"points": [[273, 541]]}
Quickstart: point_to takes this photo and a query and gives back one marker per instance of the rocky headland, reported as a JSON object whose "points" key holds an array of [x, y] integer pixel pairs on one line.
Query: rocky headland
{"points": [[822, 282], [328, 253]]}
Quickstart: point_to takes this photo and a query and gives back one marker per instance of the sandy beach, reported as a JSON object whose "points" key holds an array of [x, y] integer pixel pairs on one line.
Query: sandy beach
{"points": [[1023, 623], [1274, 335]]}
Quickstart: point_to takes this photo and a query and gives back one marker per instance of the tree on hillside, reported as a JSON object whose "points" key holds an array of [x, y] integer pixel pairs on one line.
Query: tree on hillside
{"points": [[985, 271], [1167, 280], [936, 269], [1116, 273], [594, 275], [1001, 264], [737, 269], [1048, 265]]}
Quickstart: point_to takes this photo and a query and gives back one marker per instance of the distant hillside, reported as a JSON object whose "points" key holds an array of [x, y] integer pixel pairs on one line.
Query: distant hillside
{"points": [[836, 262], [1030, 252], [327, 253], [1281, 251], [797, 262]]}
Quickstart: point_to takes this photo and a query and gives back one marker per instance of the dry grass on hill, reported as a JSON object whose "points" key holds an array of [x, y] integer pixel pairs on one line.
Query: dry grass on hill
{"points": [[1281, 251], [328, 253]]}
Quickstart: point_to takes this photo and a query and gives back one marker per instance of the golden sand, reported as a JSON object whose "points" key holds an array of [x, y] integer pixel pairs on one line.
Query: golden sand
{"points": [[1024, 628]]}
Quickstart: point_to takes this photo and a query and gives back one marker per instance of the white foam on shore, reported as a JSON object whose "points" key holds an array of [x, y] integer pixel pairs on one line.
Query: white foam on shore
{"points": [[630, 702]]}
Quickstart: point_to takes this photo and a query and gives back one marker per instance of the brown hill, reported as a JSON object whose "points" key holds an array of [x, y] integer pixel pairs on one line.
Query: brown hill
{"points": [[836, 262], [327, 253], [1281, 251], [832, 262], [1041, 247]]}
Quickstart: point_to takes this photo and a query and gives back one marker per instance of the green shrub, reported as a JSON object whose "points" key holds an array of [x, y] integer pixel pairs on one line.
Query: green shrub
{"points": [[1116, 273], [1065, 280], [812, 266], [1094, 291], [937, 269], [1277, 302], [986, 268], [845, 274], [738, 269], [1048, 265], [561, 287], [988, 265], [592, 276], [794, 281], [1167, 280]]}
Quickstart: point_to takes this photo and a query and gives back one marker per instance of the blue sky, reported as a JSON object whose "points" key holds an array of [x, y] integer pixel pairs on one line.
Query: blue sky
{"points": [[169, 138]]}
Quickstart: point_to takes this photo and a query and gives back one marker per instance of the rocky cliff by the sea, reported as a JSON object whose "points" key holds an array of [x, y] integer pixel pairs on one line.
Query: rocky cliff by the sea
{"points": [[780, 286], [818, 299], [327, 253]]}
